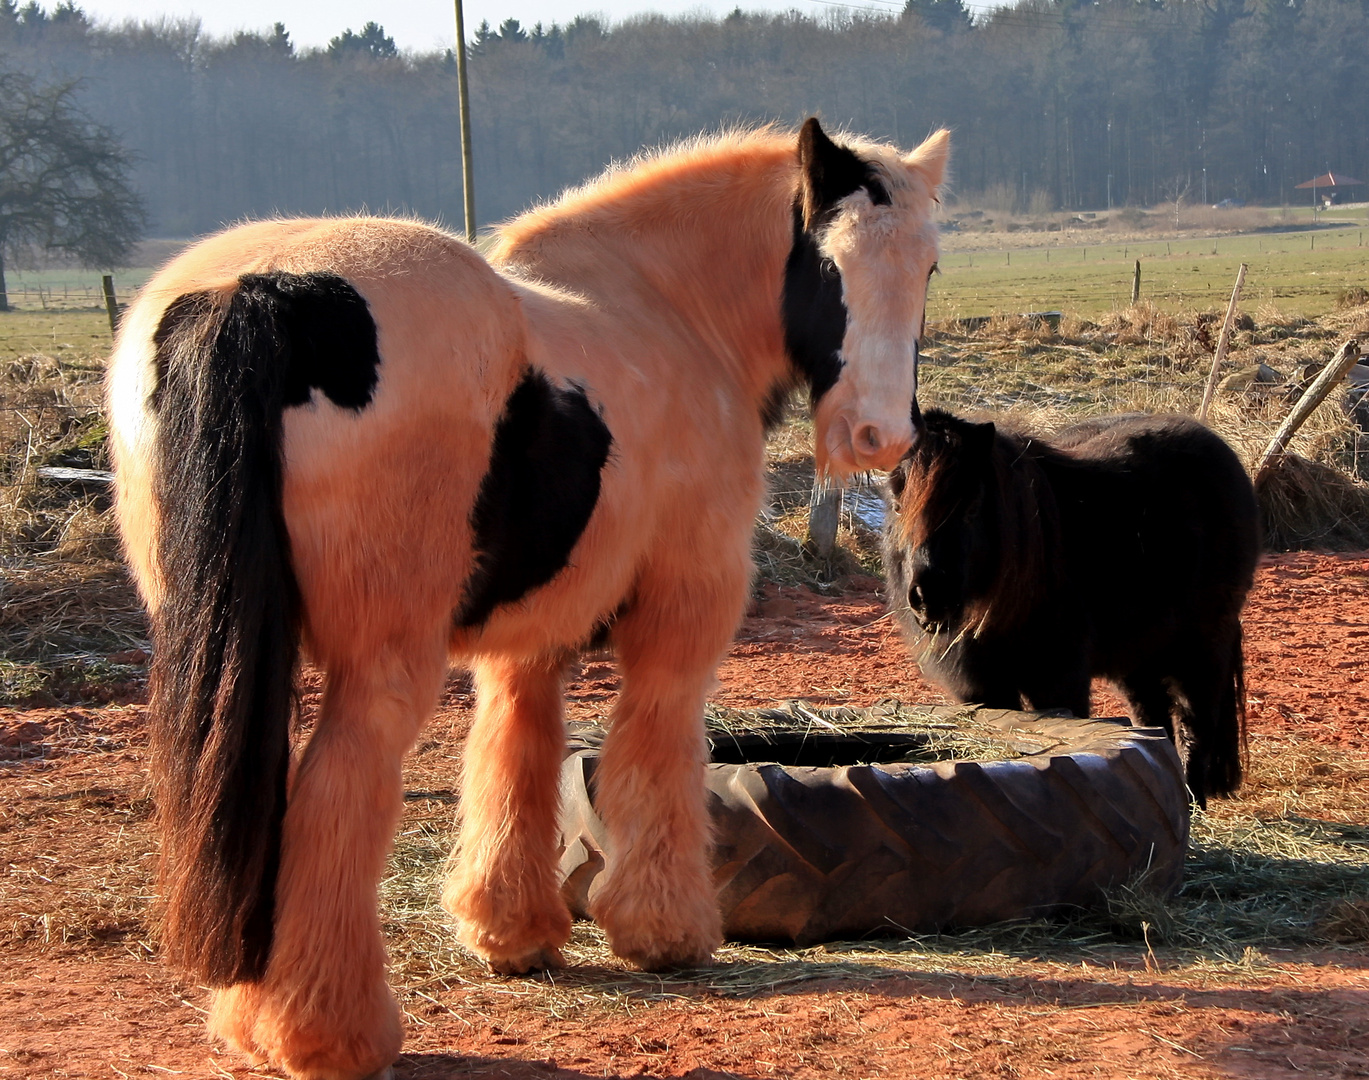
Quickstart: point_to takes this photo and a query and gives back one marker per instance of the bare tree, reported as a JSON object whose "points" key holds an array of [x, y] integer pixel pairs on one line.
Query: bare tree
{"points": [[63, 180]]}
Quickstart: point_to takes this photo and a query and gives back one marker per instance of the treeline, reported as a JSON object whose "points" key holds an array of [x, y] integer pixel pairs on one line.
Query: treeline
{"points": [[1055, 103]]}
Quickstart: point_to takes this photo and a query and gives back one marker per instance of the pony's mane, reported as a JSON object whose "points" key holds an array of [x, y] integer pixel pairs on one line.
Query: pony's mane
{"points": [[646, 174]]}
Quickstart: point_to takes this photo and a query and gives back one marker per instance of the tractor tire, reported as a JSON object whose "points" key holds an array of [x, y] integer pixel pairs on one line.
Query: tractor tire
{"points": [[814, 852]]}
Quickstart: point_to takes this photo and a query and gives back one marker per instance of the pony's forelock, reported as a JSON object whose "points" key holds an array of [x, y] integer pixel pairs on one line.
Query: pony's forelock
{"points": [[1025, 515]]}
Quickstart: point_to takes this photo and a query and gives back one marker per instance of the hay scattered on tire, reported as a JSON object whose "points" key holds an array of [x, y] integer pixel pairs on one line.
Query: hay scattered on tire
{"points": [[963, 736]]}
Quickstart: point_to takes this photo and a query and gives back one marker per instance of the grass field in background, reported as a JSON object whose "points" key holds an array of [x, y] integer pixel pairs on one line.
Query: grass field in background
{"points": [[1301, 273], [78, 335]]}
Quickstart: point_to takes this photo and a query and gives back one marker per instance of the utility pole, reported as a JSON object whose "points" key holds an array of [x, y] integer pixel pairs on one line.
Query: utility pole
{"points": [[463, 96], [1109, 191]]}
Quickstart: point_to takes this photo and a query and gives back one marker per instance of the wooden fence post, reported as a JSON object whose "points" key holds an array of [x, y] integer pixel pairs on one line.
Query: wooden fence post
{"points": [[1346, 357], [1222, 342], [824, 515], [111, 304], [1136, 285]]}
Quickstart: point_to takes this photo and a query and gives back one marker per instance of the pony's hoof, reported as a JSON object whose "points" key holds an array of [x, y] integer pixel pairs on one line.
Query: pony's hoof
{"points": [[543, 959]]}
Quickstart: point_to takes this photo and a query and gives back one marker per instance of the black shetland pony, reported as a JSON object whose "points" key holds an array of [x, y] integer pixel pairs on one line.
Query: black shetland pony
{"points": [[1123, 548]]}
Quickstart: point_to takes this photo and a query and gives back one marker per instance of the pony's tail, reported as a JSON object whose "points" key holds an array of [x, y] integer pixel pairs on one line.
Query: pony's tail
{"points": [[227, 629], [1224, 762]]}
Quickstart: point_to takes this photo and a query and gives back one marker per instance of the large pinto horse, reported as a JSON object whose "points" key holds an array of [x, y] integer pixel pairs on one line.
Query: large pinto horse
{"points": [[359, 441], [1123, 548]]}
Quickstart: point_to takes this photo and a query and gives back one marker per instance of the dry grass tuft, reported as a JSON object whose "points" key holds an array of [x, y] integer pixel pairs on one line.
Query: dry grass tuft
{"points": [[1356, 296], [70, 631], [1141, 324], [1307, 504], [1347, 922]]}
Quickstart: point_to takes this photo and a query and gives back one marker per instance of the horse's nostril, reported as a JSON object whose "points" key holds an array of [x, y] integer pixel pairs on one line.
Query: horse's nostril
{"points": [[916, 600], [866, 439]]}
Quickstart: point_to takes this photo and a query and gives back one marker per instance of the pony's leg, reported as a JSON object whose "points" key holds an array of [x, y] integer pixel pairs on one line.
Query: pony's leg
{"points": [[658, 903], [324, 1010], [505, 886], [1208, 717], [1150, 700], [1070, 693]]}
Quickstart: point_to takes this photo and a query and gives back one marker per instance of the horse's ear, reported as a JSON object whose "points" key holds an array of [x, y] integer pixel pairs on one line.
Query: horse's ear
{"points": [[932, 157], [827, 171], [979, 437]]}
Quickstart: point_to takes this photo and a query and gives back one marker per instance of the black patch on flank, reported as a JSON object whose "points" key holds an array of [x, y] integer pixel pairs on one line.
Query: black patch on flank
{"points": [[549, 450]]}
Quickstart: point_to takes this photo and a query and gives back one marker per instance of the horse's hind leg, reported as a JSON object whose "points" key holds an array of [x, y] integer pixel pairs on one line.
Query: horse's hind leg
{"points": [[658, 903], [324, 1009], [505, 887]]}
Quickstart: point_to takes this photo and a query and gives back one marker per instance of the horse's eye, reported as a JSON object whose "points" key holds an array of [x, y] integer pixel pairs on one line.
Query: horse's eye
{"points": [[829, 269], [936, 269]]}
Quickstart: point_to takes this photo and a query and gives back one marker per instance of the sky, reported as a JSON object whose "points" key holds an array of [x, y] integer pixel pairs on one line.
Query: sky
{"points": [[424, 25]]}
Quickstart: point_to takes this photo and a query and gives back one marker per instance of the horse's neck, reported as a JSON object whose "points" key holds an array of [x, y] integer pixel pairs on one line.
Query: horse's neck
{"points": [[693, 260]]}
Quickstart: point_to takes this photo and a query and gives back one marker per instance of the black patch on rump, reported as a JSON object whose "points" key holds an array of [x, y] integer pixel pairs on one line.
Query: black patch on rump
{"points": [[227, 631], [549, 451], [812, 307]]}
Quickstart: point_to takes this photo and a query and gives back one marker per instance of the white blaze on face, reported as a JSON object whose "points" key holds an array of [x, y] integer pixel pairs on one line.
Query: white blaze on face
{"points": [[885, 254], [884, 260]]}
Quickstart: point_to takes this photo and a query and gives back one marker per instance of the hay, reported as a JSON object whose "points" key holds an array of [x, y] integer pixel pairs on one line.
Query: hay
{"points": [[962, 737], [70, 632], [1306, 504]]}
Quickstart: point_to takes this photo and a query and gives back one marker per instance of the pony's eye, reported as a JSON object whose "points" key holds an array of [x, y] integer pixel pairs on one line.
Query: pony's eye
{"points": [[936, 269]]}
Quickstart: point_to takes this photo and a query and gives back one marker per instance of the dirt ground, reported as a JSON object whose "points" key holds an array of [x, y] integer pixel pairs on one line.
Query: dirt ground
{"points": [[81, 994]]}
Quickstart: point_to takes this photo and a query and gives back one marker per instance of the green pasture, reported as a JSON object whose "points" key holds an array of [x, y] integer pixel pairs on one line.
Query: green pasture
{"points": [[69, 335], [1300, 272]]}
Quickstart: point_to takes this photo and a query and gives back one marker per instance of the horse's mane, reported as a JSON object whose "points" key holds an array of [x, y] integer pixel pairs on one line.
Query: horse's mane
{"points": [[658, 172], [1028, 524]]}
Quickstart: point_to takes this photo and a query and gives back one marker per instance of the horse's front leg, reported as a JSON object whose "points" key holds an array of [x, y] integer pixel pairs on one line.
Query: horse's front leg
{"points": [[505, 887], [324, 1010], [658, 903]]}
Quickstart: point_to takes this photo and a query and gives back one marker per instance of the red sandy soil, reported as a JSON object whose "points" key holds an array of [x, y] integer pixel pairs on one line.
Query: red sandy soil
{"points": [[96, 1005]]}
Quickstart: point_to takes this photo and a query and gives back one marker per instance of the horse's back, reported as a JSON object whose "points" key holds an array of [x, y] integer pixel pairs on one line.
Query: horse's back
{"points": [[1164, 524], [1162, 463]]}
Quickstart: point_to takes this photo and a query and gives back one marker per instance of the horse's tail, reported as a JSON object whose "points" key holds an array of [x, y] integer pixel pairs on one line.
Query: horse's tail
{"points": [[227, 627], [1227, 749]]}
